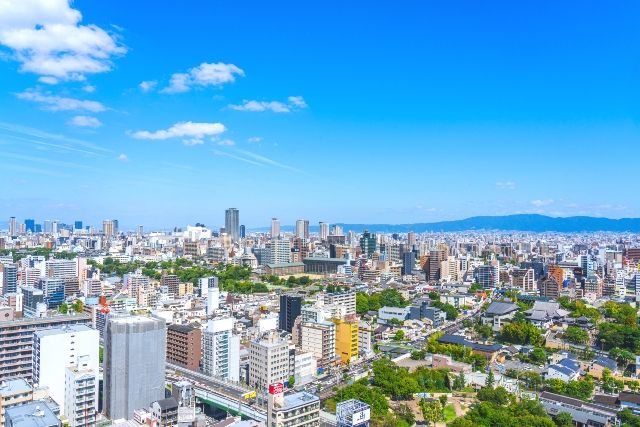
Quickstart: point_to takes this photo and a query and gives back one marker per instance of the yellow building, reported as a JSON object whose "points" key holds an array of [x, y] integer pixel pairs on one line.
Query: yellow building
{"points": [[346, 340]]}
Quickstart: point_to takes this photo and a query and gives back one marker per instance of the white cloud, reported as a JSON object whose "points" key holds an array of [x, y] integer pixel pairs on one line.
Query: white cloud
{"points": [[48, 80], [192, 133], [205, 74], [506, 185], [293, 103], [46, 37], [148, 85], [89, 88], [254, 139], [58, 103], [123, 157], [541, 202], [298, 101], [85, 121], [226, 142]]}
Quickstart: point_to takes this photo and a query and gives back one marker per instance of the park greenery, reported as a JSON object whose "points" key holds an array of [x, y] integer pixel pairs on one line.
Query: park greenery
{"points": [[496, 407], [373, 302], [45, 252], [521, 332]]}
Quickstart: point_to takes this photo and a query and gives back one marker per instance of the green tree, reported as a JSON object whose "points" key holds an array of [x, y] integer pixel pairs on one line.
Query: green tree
{"points": [[63, 308], [362, 303], [391, 297], [576, 334], [563, 419], [292, 381], [399, 336], [78, 306], [490, 379], [431, 411], [405, 413], [498, 395], [521, 333]]}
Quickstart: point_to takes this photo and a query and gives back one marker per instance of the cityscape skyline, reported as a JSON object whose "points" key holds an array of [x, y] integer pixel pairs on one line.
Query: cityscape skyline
{"points": [[254, 119]]}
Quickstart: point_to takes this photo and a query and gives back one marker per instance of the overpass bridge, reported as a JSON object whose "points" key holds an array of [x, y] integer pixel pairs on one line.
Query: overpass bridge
{"points": [[228, 396]]}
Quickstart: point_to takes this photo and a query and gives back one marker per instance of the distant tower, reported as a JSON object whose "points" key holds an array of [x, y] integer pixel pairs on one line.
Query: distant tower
{"points": [[13, 230], [243, 231], [275, 228], [302, 228], [324, 230], [232, 223]]}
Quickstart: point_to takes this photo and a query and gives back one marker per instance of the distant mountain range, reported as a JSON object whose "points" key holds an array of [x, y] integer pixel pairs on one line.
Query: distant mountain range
{"points": [[520, 222]]}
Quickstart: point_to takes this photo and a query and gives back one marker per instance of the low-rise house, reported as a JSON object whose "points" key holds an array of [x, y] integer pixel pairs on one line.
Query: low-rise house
{"points": [[583, 413], [600, 364], [565, 370], [499, 313]]}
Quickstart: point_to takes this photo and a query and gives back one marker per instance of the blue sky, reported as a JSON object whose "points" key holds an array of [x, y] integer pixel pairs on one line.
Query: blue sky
{"points": [[335, 111]]}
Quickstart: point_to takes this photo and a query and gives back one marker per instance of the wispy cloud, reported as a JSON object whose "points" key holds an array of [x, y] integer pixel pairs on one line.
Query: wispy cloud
{"points": [[192, 133], [44, 139], [293, 103], [226, 142], [85, 121], [266, 160], [123, 158], [58, 103], [542, 202], [47, 39], [205, 74], [254, 139], [233, 156], [506, 185]]}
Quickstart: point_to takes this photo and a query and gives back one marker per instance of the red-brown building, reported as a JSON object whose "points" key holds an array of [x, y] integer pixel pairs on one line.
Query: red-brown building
{"points": [[184, 346]]}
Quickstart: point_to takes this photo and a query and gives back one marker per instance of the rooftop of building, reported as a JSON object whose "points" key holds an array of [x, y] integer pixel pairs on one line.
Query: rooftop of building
{"points": [[63, 330], [32, 414], [297, 400], [14, 386]]}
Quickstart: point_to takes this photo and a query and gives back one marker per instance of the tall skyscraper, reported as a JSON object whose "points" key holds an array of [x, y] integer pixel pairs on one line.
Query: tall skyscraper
{"points": [[290, 309], [134, 364], [77, 225], [302, 228], [221, 349], [232, 223], [243, 231], [47, 226], [8, 278], [368, 243], [54, 227], [30, 225], [13, 230], [109, 228], [275, 228], [324, 230], [140, 231]]}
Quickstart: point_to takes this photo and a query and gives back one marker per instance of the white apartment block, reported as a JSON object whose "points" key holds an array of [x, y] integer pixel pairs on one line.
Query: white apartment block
{"points": [[319, 339], [81, 385], [268, 360], [54, 350], [221, 349], [344, 299]]}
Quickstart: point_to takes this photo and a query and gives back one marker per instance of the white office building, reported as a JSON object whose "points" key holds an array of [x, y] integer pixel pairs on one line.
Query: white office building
{"points": [[268, 360], [221, 349], [81, 386]]}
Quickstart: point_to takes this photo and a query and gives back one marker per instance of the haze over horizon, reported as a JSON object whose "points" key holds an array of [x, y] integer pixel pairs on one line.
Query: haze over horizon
{"points": [[387, 114]]}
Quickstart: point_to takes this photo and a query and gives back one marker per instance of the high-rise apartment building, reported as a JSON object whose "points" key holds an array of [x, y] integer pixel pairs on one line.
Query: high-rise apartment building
{"points": [[56, 349], [523, 279], [110, 227], [81, 393], [278, 251], [487, 276], [221, 349], [268, 360], [346, 299], [134, 364], [302, 228], [172, 282], [13, 228], [320, 339], [290, 309], [184, 346], [8, 278], [368, 243], [323, 230], [232, 223], [275, 228], [436, 257]]}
